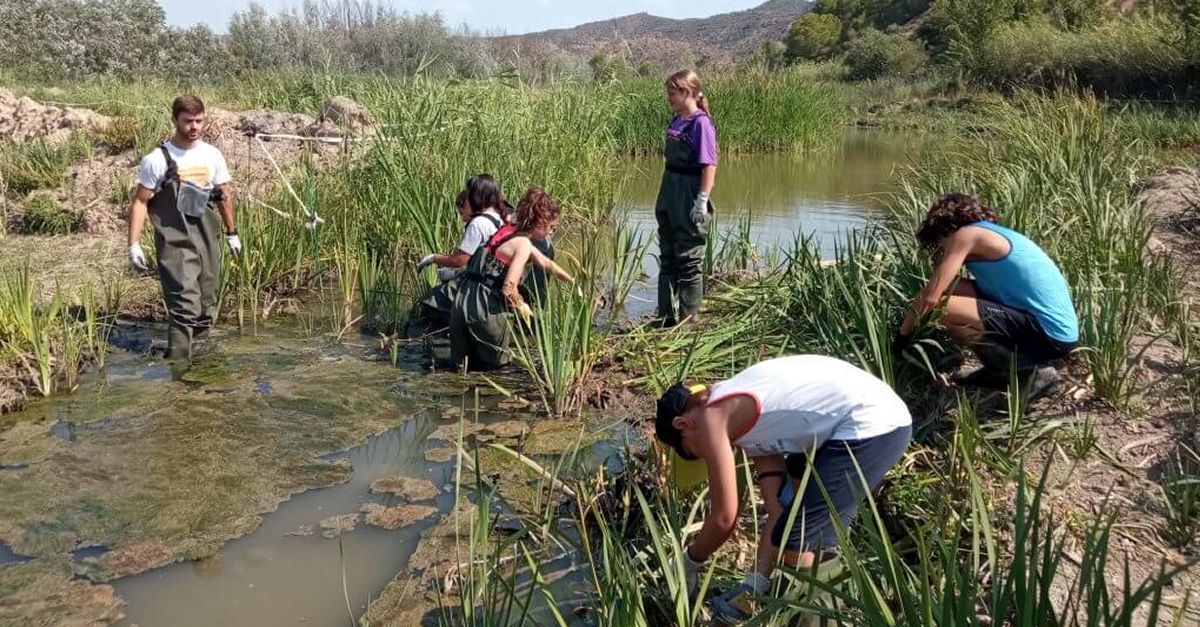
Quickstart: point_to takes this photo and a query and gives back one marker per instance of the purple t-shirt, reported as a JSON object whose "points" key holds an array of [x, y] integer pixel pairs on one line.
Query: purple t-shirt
{"points": [[701, 136]]}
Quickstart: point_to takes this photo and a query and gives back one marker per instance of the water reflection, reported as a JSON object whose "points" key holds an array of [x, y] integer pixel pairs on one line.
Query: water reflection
{"points": [[823, 195]]}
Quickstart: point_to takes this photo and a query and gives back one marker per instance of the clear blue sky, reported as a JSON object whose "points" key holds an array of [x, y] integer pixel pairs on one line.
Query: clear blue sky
{"points": [[510, 16]]}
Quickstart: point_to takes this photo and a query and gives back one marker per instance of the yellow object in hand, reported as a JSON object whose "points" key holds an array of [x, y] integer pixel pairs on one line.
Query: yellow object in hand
{"points": [[526, 313]]}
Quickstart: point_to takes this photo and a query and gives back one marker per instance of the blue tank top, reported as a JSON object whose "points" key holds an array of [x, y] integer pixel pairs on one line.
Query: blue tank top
{"points": [[1028, 280]]}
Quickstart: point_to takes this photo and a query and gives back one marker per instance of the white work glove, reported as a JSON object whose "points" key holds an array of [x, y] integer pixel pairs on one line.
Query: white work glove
{"points": [[235, 243], [700, 214], [425, 261], [691, 570], [137, 258], [736, 605], [446, 274]]}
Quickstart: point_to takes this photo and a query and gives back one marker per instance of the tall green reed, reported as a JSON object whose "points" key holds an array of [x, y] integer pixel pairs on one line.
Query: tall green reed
{"points": [[560, 348], [50, 340]]}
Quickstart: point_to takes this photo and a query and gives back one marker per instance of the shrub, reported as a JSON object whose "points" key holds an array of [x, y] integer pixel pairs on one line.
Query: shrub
{"points": [[814, 36], [1136, 56], [876, 55], [44, 216]]}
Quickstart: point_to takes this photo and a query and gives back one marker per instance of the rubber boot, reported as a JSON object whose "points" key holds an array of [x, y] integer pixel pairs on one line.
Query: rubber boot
{"points": [[993, 374], [179, 343], [1035, 380], [201, 342]]}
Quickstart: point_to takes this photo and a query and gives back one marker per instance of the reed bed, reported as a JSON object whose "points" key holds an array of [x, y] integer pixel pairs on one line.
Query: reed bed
{"points": [[44, 345]]}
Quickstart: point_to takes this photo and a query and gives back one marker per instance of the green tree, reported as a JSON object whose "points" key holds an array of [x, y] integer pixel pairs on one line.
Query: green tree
{"points": [[814, 36], [875, 55], [771, 54], [968, 23]]}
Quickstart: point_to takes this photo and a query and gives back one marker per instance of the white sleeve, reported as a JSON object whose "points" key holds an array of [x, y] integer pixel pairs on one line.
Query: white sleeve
{"points": [[221, 174], [473, 237], [152, 170]]}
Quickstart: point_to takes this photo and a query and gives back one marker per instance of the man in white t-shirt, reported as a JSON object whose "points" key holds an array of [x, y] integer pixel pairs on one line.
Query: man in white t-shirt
{"points": [[813, 426], [182, 186]]}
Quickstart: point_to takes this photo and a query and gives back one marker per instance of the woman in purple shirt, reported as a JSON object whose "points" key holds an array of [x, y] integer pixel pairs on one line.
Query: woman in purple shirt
{"points": [[683, 208]]}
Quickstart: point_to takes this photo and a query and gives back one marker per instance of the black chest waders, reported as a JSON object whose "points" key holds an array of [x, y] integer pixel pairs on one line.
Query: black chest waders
{"points": [[680, 241], [187, 240], [480, 324]]}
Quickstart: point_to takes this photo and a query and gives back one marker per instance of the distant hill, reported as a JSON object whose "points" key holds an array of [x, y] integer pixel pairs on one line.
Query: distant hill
{"points": [[665, 41]]}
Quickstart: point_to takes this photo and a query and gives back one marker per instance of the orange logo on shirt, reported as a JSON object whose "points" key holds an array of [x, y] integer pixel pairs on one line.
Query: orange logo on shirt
{"points": [[196, 174]]}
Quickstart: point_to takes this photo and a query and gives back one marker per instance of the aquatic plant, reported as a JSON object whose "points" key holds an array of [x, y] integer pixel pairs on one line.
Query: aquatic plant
{"points": [[560, 347], [40, 163], [47, 340]]}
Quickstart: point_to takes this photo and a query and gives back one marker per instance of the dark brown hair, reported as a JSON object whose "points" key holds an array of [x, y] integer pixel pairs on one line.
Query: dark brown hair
{"points": [[483, 191], [688, 81], [192, 105], [462, 200], [536, 209], [950, 213]]}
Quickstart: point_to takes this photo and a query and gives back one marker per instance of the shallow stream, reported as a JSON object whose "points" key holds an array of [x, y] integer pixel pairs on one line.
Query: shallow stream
{"points": [[142, 469]]}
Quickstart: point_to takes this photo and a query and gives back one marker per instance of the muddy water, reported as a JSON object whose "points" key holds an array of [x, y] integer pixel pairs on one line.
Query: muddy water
{"points": [[823, 194], [287, 572]]}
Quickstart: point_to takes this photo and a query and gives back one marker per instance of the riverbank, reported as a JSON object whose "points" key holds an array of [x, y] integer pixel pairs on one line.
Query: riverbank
{"points": [[1060, 168]]}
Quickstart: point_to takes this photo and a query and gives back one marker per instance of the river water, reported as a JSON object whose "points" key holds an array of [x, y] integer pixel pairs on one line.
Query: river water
{"points": [[136, 443], [823, 194]]}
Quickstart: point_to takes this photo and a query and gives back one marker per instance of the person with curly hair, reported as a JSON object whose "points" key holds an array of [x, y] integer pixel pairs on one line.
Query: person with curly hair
{"points": [[1016, 309], [489, 295]]}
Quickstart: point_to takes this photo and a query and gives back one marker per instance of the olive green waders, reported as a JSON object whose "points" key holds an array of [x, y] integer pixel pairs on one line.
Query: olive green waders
{"points": [[189, 266], [680, 241], [481, 322]]}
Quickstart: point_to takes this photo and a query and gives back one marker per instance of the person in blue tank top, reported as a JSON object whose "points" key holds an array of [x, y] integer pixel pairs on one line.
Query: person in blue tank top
{"points": [[1016, 308]]}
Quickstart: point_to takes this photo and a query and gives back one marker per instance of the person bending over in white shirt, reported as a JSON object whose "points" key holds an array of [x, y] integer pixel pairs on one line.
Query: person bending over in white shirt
{"points": [[787, 414]]}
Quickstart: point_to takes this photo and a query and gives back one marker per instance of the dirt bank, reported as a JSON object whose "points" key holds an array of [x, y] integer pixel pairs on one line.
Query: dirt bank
{"points": [[100, 188], [23, 119]]}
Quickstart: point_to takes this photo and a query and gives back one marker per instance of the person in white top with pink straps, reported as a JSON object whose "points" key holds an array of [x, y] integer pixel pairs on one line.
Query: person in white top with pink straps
{"points": [[784, 413]]}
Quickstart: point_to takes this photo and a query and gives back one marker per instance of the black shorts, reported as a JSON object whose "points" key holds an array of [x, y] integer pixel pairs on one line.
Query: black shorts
{"points": [[1019, 331]]}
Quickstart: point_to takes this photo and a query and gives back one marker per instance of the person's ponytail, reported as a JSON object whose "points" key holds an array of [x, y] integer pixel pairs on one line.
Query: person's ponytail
{"points": [[688, 81]]}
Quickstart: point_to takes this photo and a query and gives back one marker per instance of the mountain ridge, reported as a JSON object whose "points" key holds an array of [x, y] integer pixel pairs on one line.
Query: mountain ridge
{"points": [[645, 37]]}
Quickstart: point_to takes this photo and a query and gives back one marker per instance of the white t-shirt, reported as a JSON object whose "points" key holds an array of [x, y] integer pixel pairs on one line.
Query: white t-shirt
{"points": [[202, 165], [479, 230], [805, 400]]}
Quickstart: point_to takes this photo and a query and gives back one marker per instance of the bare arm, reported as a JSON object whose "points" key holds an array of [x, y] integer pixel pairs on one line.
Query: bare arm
{"points": [[769, 487], [521, 250], [548, 264], [137, 213], [955, 254], [456, 259], [226, 208], [717, 451], [708, 177]]}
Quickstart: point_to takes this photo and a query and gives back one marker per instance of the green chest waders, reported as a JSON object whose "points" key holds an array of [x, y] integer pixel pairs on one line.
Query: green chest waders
{"points": [[680, 241], [187, 240], [480, 324], [533, 287]]}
